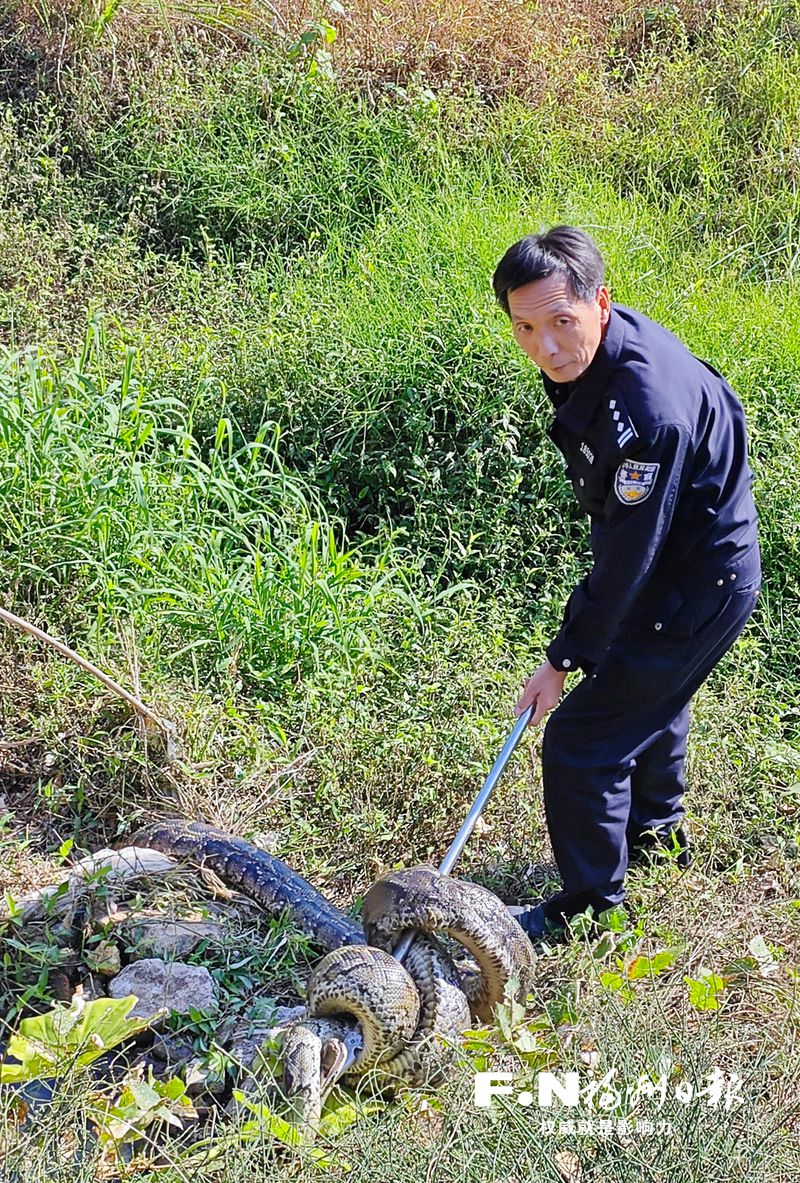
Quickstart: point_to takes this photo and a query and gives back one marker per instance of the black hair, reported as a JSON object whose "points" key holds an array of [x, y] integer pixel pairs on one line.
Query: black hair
{"points": [[564, 250]]}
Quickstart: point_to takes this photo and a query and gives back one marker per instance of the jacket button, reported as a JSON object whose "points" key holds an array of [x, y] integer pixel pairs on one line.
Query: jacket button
{"points": [[733, 575], [720, 582], [581, 482], [657, 626], [566, 663]]}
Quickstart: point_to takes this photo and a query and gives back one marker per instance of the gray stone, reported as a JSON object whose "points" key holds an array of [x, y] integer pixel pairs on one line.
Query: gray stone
{"points": [[170, 1050], [152, 937], [118, 865], [250, 1032], [160, 985], [200, 1079], [104, 959]]}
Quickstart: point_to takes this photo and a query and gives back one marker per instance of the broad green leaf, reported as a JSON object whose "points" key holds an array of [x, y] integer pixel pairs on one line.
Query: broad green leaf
{"points": [[270, 1122], [139, 1105], [69, 1037], [344, 1113], [704, 990], [645, 967], [172, 1089], [614, 919], [612, 980], [143, 1096], [524, 1040], [326, 1162], [603, 947]]}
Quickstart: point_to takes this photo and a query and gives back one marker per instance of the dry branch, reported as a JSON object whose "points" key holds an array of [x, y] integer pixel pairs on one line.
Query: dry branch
{"points": [[164, 725]]}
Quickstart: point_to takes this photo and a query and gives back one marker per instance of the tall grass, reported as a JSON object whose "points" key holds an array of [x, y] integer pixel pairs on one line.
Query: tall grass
{"points": [[308, 261], [113, 509]]}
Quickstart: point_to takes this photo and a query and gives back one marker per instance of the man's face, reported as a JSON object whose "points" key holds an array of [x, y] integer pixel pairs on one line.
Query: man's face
{"points": [[557, 331]]}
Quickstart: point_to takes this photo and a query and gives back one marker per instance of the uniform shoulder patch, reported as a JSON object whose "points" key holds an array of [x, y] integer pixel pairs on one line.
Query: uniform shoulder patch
{"points": [[635, 482]]}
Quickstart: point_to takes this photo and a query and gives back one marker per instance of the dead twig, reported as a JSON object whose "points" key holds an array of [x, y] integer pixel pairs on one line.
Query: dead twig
{"points": [[166, 727]]}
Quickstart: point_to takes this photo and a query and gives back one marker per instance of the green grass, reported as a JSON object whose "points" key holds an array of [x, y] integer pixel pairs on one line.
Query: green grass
{"points": [[209, 547], [268, 454]]}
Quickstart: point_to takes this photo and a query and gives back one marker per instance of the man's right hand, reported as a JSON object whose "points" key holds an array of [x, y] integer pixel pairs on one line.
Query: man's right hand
{"points": [[542, 690]]}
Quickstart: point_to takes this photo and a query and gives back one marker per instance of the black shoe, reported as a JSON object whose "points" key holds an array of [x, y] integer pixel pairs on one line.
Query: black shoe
{"points": [[536, 925], [658, 844]]}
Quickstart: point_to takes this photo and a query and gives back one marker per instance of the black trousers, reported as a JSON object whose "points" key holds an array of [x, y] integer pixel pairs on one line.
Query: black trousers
{"points": [[613, 751]]}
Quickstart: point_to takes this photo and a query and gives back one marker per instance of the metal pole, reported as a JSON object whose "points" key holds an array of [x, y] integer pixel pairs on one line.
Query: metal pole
{"points": [[462, 837]]}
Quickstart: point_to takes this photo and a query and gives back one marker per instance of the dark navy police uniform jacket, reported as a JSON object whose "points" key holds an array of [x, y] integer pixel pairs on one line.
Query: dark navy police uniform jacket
{"points": [[655, 445]]}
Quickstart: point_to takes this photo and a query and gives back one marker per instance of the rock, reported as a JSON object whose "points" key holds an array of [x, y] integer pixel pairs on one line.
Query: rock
{"points": [[171, 1051], [104, 959], [62, 935], [118, 865], [60, 986], [249, 1034], [200, 1079], [152, 937], [105, 911], [160, 984]]}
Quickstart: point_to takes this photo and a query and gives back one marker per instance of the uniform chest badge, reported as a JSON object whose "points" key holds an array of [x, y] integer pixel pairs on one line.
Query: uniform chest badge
{"points": [[635, 482]]}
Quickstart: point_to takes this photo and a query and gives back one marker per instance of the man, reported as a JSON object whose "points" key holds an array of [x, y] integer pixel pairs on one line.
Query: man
{"points": [[655, 447]]}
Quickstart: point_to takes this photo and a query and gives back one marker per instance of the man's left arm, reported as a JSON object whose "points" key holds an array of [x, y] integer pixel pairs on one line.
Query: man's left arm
{"points": [[626, 543]]}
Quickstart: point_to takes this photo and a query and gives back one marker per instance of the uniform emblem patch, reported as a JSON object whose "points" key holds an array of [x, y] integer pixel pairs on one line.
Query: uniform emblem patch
{"points": [[634, 482]]}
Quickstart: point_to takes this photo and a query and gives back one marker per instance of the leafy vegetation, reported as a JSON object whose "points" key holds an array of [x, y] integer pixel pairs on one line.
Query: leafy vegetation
{"points": [[268, 454], [68, 1038]]}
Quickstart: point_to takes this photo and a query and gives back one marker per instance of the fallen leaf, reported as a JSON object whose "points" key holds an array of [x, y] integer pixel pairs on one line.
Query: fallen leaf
{"points": [[568, 1165]]}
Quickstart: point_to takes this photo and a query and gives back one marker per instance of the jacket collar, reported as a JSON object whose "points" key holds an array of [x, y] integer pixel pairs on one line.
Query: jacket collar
{"points": [[576, 402]]}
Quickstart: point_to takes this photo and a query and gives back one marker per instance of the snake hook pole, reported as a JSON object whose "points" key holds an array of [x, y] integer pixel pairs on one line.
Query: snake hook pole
{"points": [[462, 837]]}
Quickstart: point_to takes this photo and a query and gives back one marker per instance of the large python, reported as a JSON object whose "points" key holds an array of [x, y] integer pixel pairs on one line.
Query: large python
{"points": [[408, 1014]]}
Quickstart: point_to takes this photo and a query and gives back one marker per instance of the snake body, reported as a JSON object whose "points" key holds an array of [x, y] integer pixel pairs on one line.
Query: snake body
{"points": [[259, 875], [408, 1014], [422, 898]]}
